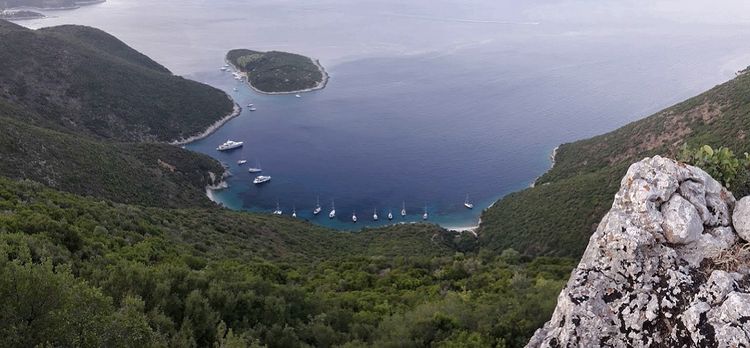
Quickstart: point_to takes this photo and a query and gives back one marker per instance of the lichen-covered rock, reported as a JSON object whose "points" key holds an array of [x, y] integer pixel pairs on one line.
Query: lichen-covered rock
{"points": [[682, 223], [660, 270], [741, 218]]}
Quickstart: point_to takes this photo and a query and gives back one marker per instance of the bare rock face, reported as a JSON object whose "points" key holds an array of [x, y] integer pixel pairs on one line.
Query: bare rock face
{"points": [[664, 268]]}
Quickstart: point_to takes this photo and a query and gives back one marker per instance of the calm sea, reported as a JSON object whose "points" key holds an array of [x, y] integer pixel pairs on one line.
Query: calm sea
{"points": [[428, 101]]}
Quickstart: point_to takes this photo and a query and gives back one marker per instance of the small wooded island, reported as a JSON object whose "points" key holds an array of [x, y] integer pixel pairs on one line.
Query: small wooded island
{"points": [[20, 15], [277, 72]]}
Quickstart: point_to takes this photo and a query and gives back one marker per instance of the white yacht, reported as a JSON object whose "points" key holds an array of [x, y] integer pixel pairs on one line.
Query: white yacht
{"points": [[241, 162], [297, 96], [317, 209], [278, 210], [354, 217], [229, 145], [250, 105], [375, 215], [390, 215], [223, 68], [424, 216], [252, 109], [235, 89], [403, 209], [332, 214], [261, 179], [468, 204], [256, 169]]}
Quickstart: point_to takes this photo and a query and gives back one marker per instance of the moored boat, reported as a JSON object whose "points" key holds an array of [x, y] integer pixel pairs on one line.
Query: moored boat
{"points": [[229, 145], [332, 214], [317, 209], [261, 179], [278, 210], [468, 204]]}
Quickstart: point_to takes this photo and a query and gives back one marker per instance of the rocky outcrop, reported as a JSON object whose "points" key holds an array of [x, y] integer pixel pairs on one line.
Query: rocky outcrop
{"points": [[664, 268]]}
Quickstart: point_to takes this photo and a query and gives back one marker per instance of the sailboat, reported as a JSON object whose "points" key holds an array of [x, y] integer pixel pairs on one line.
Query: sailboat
{"points": [[354, 217], [403, 209], [390, 214], [467, 203], [317, 209], [424, 216], [294, 212], [278, 209], [256, 169], [332, 214], [375, 215]]}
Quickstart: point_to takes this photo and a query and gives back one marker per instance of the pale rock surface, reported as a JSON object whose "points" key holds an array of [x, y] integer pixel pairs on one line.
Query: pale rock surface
{"points": [[653, 273]]}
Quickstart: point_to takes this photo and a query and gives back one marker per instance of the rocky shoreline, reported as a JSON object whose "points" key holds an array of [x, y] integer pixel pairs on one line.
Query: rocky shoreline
{"points": [[212, 128]]}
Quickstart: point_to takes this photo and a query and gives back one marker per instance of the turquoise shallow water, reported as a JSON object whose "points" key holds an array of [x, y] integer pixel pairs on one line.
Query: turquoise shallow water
{"points": [[425, 103]]}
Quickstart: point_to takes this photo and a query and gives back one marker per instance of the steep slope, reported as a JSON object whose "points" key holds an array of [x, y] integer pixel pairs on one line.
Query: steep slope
{"points": [[567, 202], [665, 268], [147, 174], [81, 80]]}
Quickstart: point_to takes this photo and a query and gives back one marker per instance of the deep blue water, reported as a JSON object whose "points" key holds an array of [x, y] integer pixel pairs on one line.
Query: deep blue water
{"points": [[427, 102]]}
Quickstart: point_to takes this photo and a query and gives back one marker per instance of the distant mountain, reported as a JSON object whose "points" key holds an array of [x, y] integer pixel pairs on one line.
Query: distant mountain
{"points": [[278, 72], [559, 214], [82, 80]]}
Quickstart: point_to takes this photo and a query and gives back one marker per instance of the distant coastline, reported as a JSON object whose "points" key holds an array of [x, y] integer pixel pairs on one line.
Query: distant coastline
{"points": [[320, 85], [78, 4]]}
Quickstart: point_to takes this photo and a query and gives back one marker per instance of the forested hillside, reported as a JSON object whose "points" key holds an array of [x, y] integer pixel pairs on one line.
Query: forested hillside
{"points": [[84, 81], [558, 215]]}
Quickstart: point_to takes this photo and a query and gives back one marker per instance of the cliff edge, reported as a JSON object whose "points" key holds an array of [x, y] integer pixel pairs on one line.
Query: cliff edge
{"points": [[667, 266]]}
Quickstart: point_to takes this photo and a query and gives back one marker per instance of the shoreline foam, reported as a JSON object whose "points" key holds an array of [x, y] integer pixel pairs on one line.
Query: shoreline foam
{"points": [[322, 84]]}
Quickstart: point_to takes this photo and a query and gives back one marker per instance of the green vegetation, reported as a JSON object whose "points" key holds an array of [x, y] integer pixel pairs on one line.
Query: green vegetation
{"points": [[568, 201], [133, 254], [722, 165], [86, 272], [147, 174], [84, 81], [274, 72]]}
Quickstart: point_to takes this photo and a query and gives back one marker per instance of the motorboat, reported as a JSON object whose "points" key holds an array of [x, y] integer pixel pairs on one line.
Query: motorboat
{"points": [[229, 145], [468, 204], [261, 179]]}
